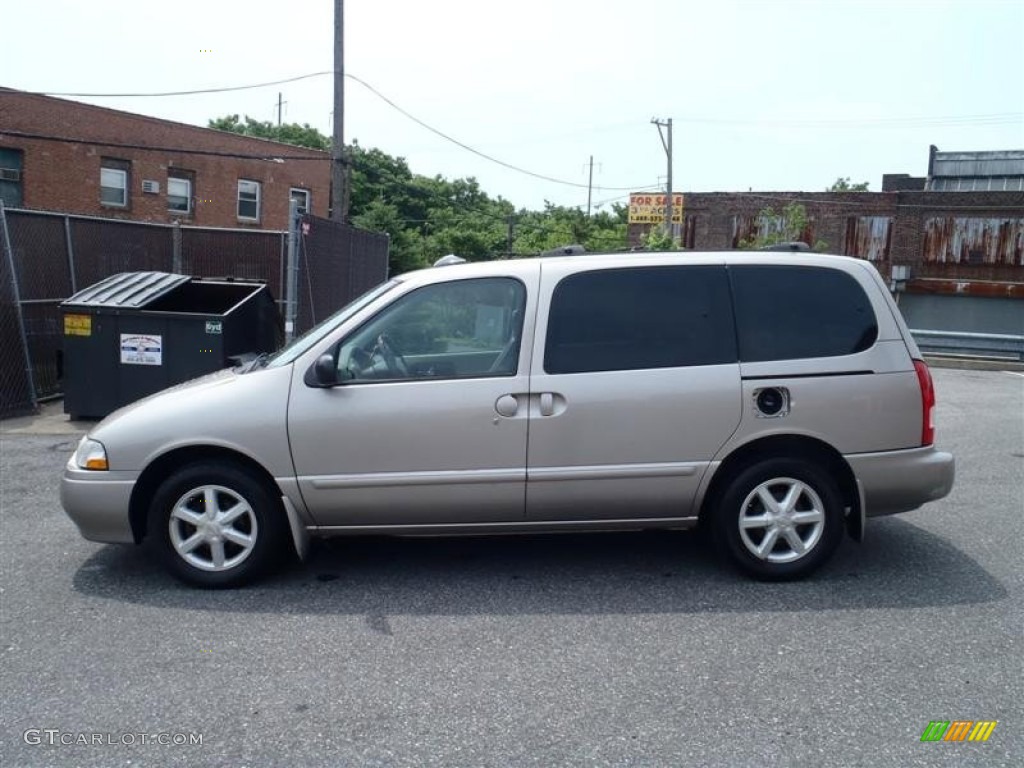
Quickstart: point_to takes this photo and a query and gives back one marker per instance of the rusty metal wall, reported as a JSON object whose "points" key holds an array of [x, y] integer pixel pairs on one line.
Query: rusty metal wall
{"points": [[751, 226], [850, 223], [868, 237], [973, 240], [744, 227], [688, 237]]}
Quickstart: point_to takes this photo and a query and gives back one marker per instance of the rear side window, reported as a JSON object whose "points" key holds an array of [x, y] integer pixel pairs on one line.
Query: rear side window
{"points": [[637, 318], [789, 312]]}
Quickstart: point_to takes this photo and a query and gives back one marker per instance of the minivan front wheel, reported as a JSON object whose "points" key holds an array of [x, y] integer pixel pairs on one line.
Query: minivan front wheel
{"points": [[216, 525], [780, 519]]}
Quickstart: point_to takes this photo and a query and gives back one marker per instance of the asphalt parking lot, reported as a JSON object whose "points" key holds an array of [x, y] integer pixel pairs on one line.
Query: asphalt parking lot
{"points": [[605, 649]]}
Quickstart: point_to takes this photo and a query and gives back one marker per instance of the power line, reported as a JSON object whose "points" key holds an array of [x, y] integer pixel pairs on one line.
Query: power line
{"points": [[372, 90], [197, 92], [468, 148], [923, 121], [994, 118], [988, 118]]}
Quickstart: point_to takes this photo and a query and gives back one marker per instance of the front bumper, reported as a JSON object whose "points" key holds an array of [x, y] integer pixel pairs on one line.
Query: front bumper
{"points": [[899, 481], [98, 503]]}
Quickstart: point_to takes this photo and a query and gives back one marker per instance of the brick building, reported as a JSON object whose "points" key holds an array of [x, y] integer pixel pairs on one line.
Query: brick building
{"points": [[65, 156], [966, 235], [973, 233], [959, 232]]}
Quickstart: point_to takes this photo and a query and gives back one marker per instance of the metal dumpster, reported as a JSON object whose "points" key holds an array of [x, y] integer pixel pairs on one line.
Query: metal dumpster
{"points": [[136, 333]]}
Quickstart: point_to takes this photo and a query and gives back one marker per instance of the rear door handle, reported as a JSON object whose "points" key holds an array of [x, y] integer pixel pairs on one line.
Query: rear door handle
{"points": [[547, 404]]}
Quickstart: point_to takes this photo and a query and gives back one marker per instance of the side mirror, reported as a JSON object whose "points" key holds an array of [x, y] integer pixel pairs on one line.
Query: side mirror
{"points": [[324, 372]]}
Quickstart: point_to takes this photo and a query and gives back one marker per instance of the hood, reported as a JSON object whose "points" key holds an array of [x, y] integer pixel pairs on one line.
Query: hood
{"points": [[167, 397]]}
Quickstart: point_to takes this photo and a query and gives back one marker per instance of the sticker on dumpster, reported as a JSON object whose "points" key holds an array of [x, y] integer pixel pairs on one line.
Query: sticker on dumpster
{"points": [[213, 326], [137, 349], [78, 325]]}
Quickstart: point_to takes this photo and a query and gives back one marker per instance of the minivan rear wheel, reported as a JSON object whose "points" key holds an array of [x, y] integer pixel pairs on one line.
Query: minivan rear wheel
{"points": [[216, 525], [779, 519]]}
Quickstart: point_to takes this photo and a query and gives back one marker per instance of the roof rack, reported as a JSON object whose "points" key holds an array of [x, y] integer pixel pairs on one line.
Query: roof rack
{"points": [[791, 247], [447, 261], [565, 250]]}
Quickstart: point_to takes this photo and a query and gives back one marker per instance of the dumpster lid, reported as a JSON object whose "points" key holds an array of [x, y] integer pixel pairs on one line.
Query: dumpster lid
{"points": [[127, 289]]}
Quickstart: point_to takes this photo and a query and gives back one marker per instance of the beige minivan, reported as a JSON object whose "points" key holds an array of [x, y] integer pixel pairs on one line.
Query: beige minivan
{"points": [[777, 398]]}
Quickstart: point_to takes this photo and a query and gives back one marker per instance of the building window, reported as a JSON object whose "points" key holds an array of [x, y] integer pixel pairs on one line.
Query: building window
{"points": [[114, 182], [11, 163], [179, 194], [301, 196], [977, 183], [248, 200]]}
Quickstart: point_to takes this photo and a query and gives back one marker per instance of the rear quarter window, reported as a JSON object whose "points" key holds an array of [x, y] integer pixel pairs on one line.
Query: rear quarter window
{"points": [[791, 312]]}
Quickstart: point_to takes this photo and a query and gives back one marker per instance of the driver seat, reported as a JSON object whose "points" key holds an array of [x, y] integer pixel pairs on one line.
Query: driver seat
{"points": [[507, 359]]}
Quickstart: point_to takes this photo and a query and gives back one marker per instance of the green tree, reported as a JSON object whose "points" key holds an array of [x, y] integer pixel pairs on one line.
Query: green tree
{"points": [[538, 231], [303, 135], [657, 239], [842, 184], [380, 216], [429, 217], [426, 217]]}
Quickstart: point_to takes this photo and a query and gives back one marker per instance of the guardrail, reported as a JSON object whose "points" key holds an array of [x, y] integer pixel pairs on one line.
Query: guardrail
{"points": [[1000, 346]]}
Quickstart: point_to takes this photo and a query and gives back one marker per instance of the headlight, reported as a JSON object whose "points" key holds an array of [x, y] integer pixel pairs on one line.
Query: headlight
{"points": [[90, 455]]}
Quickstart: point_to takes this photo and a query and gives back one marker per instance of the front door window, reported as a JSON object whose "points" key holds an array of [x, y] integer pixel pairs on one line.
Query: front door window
{"points": [[461, 329]]}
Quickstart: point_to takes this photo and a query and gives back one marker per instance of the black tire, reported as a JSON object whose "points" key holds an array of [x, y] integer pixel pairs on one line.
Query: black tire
{"points": [[235, 491], [814, 518]]}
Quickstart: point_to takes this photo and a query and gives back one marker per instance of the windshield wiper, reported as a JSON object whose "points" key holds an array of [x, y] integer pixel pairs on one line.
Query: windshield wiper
{"points": [[244, 363]]}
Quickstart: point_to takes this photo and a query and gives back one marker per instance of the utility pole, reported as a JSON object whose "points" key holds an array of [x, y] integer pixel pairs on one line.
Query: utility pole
{"points": [[590, 184], [291, 295], [339, 169], [667, 144], [279, 109], [511, 234]]}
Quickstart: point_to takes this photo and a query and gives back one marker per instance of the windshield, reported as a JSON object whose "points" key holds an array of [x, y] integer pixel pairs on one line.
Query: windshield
{"points": [[318, 331]]}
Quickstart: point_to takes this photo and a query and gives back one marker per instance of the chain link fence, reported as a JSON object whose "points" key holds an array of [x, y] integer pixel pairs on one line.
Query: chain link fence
{"points": [[244, 254], [47, 257], [332, 257], [17, 394]]}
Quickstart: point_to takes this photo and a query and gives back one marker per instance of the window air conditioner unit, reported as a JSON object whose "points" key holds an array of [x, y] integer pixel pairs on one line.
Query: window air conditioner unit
{"points": [[10, 174], [150, 186]]}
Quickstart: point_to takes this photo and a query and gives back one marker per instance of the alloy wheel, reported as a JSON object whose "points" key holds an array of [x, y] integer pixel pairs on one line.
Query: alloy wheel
{"points": [[781, 520], [213, 528]]}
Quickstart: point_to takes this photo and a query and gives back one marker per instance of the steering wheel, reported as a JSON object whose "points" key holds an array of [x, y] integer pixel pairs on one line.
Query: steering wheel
{"points": [[392, 357]]}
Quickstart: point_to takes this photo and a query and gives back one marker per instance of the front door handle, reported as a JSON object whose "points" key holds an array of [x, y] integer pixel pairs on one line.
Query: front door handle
{"points": [[507, 405]]}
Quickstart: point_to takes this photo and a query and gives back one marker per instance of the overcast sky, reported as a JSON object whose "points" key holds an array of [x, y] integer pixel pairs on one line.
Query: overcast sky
{"points": [[764, 95]]}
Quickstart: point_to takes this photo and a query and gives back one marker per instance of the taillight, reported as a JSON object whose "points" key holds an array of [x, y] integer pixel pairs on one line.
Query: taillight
{"points": [[924, 378]]}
